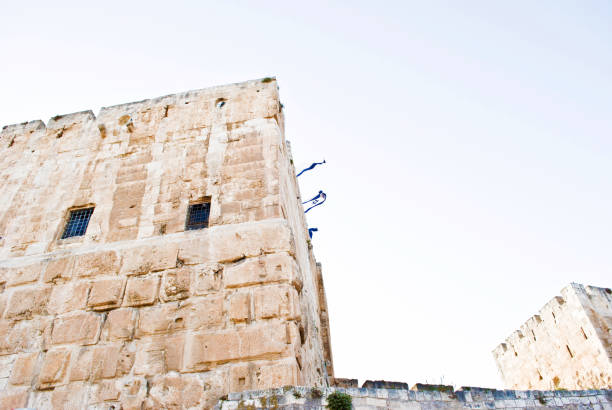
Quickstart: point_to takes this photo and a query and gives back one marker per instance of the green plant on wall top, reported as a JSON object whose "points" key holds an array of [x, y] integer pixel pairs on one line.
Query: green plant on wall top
{"points": [[339, 401]]}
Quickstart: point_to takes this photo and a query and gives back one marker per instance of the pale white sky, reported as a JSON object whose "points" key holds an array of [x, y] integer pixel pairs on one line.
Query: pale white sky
{"points": [[468, 144]]}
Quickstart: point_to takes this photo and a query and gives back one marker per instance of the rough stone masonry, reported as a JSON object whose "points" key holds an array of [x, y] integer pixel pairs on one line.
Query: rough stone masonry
{"points": [[568, 345], [144, 310]]}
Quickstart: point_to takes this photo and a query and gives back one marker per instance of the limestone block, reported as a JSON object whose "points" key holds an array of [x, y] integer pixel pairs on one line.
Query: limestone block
{"points": [[6, 364], [104, 361], [80, 327], [149, 258], [23, 336], [127, 355], [23, 369], [285, 373], [247, 240], [203, 312], [141, 291], [264, 375], [180, 391], [239, 309], [68, 297], [81, 370], [3, 302], [71, 396], [230, 243], [160, 319], [204, 349], [106, 294], [27, 302], [133, 393], [207, 278], [119, 324], [276, 301], [13, 398], [23, 274], [175, 284], [196, 251], [53, 368], [58, 269], [96, 263], [105, 390], [174, 347], [279, 267], [150, 360]]}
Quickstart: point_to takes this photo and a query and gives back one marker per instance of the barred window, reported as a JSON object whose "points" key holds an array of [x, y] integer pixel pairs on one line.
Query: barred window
{"points": [[77, 222], [197, 216]]}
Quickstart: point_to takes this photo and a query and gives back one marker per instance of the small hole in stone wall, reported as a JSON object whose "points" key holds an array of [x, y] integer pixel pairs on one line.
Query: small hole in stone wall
{"points": [[242, 381], [178, 320], [534, 337], [11, 143], [569, 351], [166, 111], [539, 375], [220, 103]]}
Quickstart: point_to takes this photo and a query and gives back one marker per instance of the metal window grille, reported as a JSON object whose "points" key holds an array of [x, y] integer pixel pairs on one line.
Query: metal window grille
{"points": [[77, 223], [197, 216]]}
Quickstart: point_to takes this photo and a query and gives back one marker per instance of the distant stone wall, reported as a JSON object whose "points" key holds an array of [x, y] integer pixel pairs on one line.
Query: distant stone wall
{"points": [[567, 345], [377, 399], [140, 312]]}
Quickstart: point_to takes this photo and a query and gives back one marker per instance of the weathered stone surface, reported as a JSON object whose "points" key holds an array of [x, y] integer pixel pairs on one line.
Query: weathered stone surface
{"points": [[119, 324], [433, 398], [13, 398], [23, 274], [202, 349], [175, 284], [68, 297], [176, 391], [106, 293], [208, 278], [59, 269], [203, 312], [141, 291], [561, 347], [79, 328], [141, 312], [53, 368], [161, 319], [239, 309], [145, 259], [263, 269], [97, 263], [23, 369], [276, 301], [27, 302]]}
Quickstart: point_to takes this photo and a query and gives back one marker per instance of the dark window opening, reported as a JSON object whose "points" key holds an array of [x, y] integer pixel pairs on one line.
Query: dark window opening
{"points": [[77, 222], [197, 216]]}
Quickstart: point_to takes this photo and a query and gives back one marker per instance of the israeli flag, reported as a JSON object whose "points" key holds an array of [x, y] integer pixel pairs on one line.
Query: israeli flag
{"points": [[314, 164], [316, 201]]}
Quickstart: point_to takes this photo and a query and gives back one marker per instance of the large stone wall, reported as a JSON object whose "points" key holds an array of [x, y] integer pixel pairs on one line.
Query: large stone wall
{"points": [[139, 312], [567, 345], [424, 397]]}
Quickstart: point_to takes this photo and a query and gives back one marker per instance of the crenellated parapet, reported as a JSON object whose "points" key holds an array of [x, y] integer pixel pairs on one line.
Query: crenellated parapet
{"points": [[566, 345]]}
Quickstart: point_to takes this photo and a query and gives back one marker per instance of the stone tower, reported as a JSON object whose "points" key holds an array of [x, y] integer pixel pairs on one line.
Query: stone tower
{"points": [[568, 345], [156, 256]]}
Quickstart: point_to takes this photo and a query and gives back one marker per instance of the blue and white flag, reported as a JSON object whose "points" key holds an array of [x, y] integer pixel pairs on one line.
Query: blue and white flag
{"points": [[316, 201], [311, 230], [314, 164]]}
